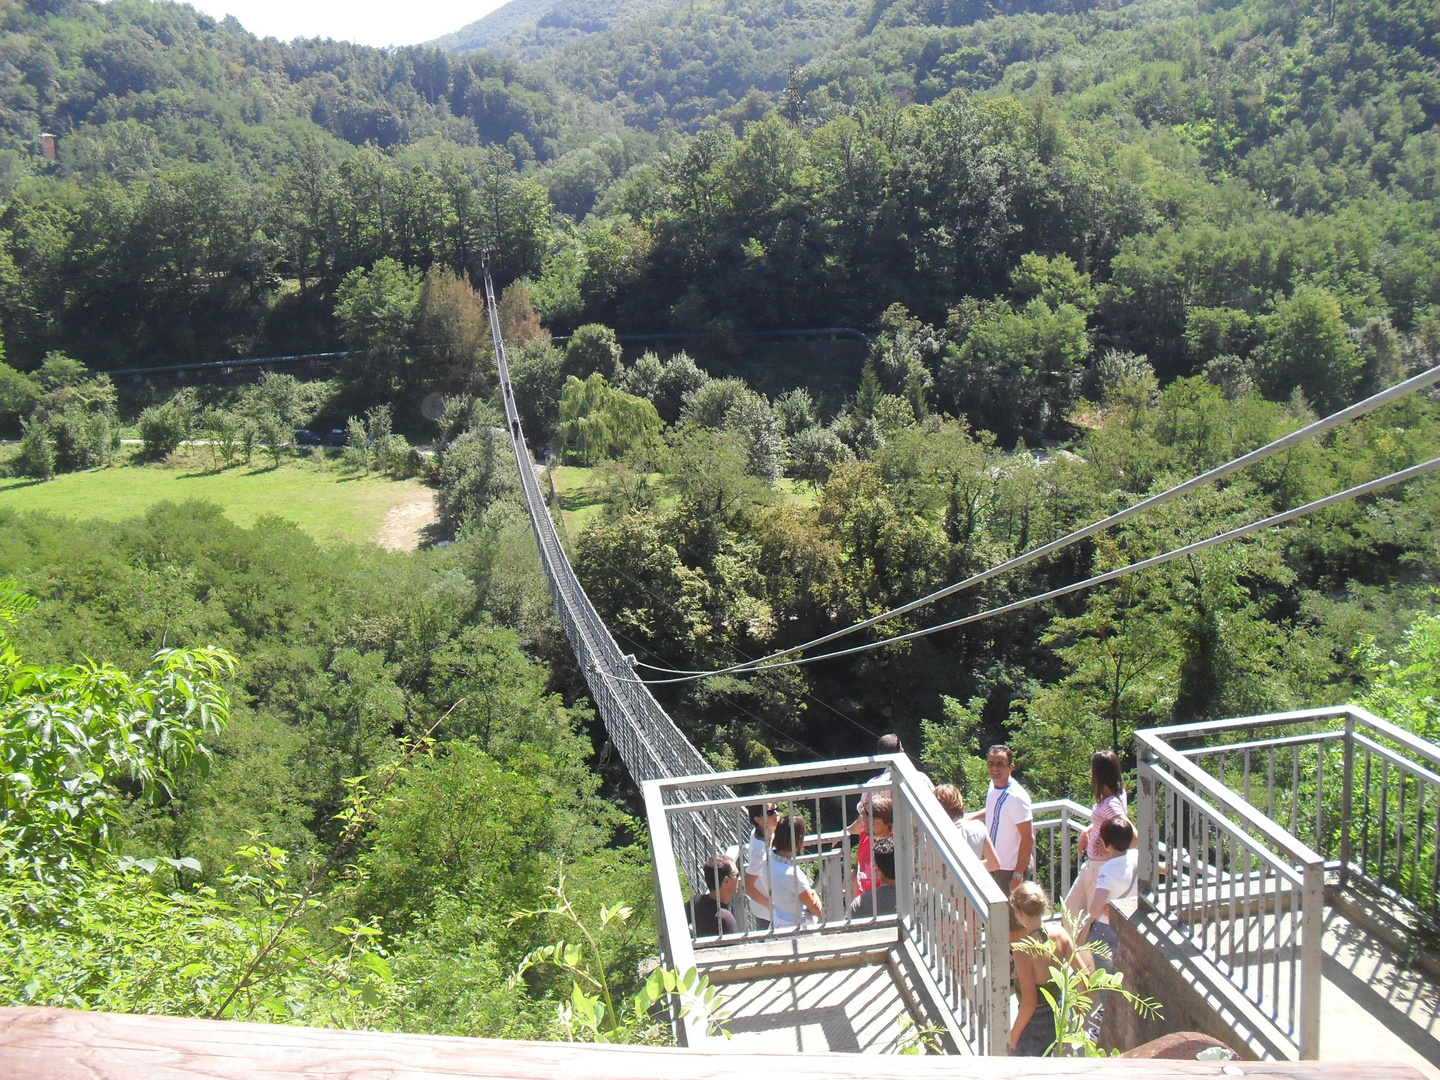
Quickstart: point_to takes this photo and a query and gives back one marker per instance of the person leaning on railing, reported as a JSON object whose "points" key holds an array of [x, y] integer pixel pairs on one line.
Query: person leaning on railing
{"points": [[792, 897], [709, 914]]}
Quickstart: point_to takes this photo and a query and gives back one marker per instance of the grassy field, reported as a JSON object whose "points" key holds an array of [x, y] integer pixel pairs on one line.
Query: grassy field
{"points": [[325, 502]]}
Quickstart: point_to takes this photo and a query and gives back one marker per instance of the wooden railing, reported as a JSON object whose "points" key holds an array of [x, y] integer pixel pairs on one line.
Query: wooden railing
{"points": [[58, 1044]]}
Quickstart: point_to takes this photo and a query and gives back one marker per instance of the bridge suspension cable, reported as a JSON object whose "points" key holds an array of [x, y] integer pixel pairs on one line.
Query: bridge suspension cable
{"points": [[1388, 480], [650, 744], [774, 659]]}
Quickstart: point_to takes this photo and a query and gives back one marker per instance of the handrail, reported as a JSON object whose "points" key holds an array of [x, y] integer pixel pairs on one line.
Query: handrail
{"points": [[782, 772], [1394, 732], [1262, 744], [1295, 875], [676, 947], [1153, 741]]}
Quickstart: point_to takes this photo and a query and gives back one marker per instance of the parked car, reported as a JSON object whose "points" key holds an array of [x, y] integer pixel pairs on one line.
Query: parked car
{"points": [[306, 437], [337, 437]]}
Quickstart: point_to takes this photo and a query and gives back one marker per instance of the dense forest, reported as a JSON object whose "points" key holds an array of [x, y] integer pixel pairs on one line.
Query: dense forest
{"points": [[1093, 250]]}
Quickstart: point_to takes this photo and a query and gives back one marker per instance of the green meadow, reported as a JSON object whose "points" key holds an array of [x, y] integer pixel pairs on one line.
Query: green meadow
{"points": [[326, 502]]}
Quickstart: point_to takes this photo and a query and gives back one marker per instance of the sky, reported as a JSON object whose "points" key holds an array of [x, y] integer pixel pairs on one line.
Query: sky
{"points": [[368, 22]]}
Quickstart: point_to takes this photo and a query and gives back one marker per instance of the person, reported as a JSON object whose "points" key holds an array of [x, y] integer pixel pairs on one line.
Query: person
{"points": [[709, 914], [793, 900], [1107, 787], [1114, 884], [971, 831], [757, 863], [1008, 818], [881, 899], [1033, 1032], [877, 817]]}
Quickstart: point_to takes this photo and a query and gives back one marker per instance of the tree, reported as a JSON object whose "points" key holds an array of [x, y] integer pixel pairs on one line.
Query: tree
{"points": [[591, 349], [376, 311], [1016, 372], [452, 335], [597, 421], [519, 324], [84, 740], [1307, 347]]}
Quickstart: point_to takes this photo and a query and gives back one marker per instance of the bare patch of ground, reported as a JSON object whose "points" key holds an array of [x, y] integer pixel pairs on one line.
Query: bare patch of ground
{"points": [[405, 523]]}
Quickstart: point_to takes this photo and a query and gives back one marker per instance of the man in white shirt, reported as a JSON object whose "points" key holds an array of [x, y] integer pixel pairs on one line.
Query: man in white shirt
{"points": [[1008, 819]]}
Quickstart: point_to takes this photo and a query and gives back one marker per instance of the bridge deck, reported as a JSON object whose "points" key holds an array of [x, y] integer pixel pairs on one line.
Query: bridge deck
{"points": [[1374, 1002], [844, 1010]]}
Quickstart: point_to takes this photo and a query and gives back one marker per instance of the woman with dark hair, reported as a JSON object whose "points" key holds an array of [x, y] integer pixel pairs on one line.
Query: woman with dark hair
{"points": [[792, 898], [757, 863], [1107, 787]]}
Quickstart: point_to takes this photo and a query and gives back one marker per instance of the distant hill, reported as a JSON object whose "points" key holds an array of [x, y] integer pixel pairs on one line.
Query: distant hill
{"points": [[683, 62], [536, 29]]}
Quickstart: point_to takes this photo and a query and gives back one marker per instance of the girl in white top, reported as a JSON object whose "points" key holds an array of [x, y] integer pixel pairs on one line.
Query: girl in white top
{"points": [[758, 868], [792, 898]]}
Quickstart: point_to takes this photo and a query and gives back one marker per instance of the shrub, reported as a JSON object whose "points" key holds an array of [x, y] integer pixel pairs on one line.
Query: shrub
{"points": [[83, 439], [162, 429], [357, 453], [814, 452], [37, 452]]}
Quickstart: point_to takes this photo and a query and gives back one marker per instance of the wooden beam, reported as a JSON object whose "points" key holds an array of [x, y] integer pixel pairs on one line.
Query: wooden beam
{"points": [[60, 1044]]}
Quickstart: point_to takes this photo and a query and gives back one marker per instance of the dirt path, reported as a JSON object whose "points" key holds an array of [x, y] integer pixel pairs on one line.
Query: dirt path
{"points": [[404, 524]]}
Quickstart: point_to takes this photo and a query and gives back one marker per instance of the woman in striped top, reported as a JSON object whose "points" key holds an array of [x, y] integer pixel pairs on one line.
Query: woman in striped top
{"points": [[1107, 785]]}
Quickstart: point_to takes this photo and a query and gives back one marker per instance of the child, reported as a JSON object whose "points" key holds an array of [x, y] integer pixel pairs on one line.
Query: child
{"points": [[1034, 1030]]}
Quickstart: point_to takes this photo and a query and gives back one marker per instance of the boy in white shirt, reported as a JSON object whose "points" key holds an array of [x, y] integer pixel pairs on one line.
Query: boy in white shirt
{"points": [[1114, 884]]}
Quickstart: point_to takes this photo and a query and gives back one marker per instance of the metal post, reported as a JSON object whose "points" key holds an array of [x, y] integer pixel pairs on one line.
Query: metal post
{"points": [[1062, 887], [997, 964], [1149, 822], [903, 826], [1347, 792], [1311, 933]]}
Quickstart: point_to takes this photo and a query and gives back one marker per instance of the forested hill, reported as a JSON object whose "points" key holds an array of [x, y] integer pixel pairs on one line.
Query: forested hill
{"points": [[1220, 178], [135, 86], [532, 29]]}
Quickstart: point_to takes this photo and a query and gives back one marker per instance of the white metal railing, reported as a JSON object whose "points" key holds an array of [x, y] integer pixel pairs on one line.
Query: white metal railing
{"points": [[1057, 856], [1242, 818], [949, 913]]}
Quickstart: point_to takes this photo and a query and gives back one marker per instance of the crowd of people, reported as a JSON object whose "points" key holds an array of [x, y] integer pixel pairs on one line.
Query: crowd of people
{"points": [[781, 896]]}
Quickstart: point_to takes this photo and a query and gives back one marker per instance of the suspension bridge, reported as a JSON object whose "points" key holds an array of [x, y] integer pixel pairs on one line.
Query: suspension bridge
{"points": [[1282, 910]]}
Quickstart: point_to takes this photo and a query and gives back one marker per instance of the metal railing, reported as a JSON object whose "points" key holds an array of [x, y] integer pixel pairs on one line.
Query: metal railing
{"points": [[1057, 856], [948, 912], [1241, 819]]}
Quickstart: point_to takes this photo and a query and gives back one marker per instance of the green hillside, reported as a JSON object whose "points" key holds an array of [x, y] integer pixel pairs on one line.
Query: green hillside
{"points": [[535, 29]]}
